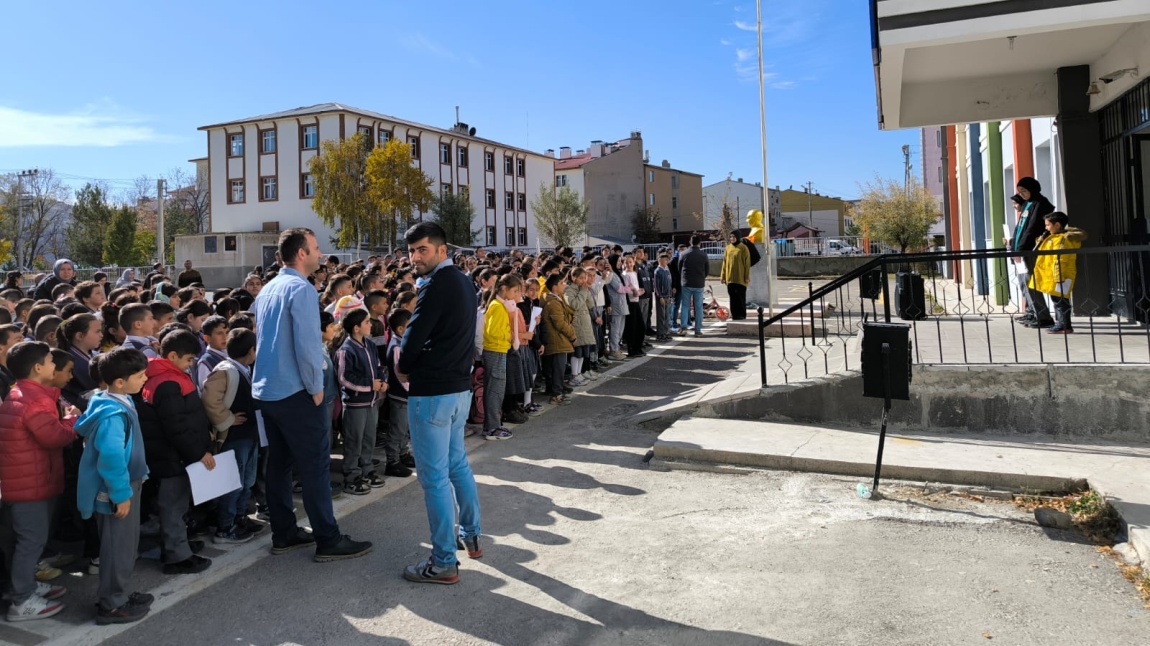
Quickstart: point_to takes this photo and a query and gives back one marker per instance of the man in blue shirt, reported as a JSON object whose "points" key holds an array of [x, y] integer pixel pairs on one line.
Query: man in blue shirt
{"points": [[287, 383]]}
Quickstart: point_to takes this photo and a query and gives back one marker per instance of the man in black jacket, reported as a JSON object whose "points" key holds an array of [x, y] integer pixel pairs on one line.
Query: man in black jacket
{"points": [[1031, 226], [435, 360], [693, 269], [676, 287]]}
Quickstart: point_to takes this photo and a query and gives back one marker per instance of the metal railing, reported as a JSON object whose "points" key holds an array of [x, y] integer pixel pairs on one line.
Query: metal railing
{"points": [[824, 246], [973, 321]]}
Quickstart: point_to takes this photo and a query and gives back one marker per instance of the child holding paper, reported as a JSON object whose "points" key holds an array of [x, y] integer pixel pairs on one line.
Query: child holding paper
{"points": [[232, 411], [176, 433]]}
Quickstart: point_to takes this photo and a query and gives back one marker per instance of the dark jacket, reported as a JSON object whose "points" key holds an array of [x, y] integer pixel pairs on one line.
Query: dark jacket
{"points": [[676, 274], [1032, 221], [643, 273], [357, 367], [81, 382], [7, 380], [438, 348], [395, 389], [694, 265], [175, 426]]}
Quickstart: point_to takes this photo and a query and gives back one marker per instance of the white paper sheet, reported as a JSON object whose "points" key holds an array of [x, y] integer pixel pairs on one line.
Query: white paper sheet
{"points": [[209, 485], [260, 427], [535, 312]]}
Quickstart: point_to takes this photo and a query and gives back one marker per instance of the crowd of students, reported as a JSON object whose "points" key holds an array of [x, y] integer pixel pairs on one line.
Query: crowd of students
{"points": [[111, 390]]}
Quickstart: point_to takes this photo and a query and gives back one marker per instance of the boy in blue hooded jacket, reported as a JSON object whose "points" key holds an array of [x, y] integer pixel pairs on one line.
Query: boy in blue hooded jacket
{"points": [[112, 470]]}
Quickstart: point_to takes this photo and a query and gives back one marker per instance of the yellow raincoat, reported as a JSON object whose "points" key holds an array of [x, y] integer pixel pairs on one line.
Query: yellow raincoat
{"points": [[1054, 274]]}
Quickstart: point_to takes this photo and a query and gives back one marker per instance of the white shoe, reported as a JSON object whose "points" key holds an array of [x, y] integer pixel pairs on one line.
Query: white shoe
{"points": [[36, 607], [50, 592], [590, 376], [578, 381]]}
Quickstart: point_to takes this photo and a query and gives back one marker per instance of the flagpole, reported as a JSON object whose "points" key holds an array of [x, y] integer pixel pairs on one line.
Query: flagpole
{"points": [[767, 247]]}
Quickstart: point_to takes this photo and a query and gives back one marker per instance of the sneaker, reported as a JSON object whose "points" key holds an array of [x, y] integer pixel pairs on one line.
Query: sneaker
{"points": [[45, 572], [141, 599], [560, 400], [590, 376], [198, 529], [254, 527], [150, 527], [1039, 324], [297, 487], [532, 409], [233, 535], [698, 334], [374, 480], [59, 560], [1060, 330], [302, 538], [336, 491], [498, 434], [579, 381], [191, 565], [50, 592], [470, 429], [345, 549], [567, 390], [426, 572], [357, 487], [125, 614], [471, 545], [515, 417], [197, 546], [636, 355], [35, 607], [397, 470], [407, 460], [94, 566], [262, 514], [616, 356]]}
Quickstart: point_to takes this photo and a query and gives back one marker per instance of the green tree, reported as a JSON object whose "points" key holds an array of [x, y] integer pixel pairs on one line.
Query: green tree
{"points": [[560, 215], [341, 200], [455, 214], [91, 217], [396, 189], [120, 247], [897, 215]]}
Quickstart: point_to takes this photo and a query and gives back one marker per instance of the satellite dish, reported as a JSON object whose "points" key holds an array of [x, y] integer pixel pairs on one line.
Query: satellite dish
{"points": [[471, 132]]}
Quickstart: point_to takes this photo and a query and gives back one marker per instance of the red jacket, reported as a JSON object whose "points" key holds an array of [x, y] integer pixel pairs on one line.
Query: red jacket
{"points": [[32, 437]]}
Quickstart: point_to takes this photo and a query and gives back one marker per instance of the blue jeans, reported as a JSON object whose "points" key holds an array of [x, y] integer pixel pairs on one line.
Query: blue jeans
{"points": [[692, 300], [235, 504], [297, 434], [441, 463]]}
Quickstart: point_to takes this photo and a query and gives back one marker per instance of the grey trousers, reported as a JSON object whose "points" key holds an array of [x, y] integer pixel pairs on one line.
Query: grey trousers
{"points": [[494, 387], [30, 524], [359, 424], [119, 544], [618, 322], [662, 324], [173, 499], [398, 432]]}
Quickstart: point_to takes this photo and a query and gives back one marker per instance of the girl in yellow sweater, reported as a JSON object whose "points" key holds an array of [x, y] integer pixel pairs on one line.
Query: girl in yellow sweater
{"points": [[499, 336]]}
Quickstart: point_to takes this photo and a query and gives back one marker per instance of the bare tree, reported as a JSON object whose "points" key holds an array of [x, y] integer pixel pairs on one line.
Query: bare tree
{"points": [[34, 216], [188, 195]]}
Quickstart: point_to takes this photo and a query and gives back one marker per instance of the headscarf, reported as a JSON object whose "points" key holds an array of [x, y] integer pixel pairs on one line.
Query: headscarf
{"points": [[60, 263], [126, 278]]}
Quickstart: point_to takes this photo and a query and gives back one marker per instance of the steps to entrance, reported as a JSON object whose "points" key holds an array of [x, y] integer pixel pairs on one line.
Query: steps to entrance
{"points": [[1116, 471]]}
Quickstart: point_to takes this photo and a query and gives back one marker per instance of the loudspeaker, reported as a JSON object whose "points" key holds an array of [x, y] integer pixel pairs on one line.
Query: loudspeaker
{"points": [[870, 284], [909, 296], [897, 337]]}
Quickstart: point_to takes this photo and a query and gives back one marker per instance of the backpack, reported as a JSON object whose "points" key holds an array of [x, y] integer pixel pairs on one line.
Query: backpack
{"points": [[753, 249]]}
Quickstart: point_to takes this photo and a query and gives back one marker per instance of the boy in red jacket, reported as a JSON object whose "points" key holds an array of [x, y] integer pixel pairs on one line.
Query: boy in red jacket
{"points": [[32, 439]]}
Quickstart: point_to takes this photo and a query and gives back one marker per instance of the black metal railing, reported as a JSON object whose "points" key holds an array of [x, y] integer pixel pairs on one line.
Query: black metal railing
{"points": [[967, 309]]}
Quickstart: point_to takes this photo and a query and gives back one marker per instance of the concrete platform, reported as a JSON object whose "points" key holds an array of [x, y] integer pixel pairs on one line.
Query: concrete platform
{"points": [[790, 328], [1119, 472]]}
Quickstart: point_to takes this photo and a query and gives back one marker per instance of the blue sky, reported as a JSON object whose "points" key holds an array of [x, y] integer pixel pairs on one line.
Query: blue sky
{"points": [[116, 89]]}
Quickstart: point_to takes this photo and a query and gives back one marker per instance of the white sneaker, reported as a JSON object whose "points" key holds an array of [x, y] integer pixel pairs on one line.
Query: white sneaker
{"points": [[36, 607], [590, 376], [578, 380], [50, 592], [94, 566]]}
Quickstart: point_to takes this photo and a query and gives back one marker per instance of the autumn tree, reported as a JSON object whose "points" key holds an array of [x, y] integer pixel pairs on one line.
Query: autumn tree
{"points": [[91, 217], [341, 200], [560, 215], [728, 222], [895, 214], [455, 214], [397, 190]]}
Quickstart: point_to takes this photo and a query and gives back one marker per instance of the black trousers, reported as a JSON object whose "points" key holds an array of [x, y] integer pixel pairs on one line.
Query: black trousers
{"points": [[738, 295], [635, 329], [554, 365]]}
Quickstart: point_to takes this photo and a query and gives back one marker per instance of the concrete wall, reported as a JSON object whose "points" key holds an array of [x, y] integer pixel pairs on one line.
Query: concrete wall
{"points": [[1099, 402], [614, 189]]}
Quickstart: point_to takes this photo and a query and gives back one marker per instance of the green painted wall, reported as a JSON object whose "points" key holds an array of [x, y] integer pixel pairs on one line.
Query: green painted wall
{"points": [[997, 208]]}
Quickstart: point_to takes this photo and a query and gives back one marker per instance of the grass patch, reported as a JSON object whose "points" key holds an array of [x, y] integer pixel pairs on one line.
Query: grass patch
{"points": [[1091, 513]]}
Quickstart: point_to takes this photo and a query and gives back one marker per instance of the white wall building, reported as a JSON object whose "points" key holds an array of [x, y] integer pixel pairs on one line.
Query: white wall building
{"points": [[258, 169], [741, 196]]}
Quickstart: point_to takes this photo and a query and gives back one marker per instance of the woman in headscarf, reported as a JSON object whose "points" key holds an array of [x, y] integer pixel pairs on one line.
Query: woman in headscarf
{"points": [[13, 280], [1031, 226], [62, 272], [126, 278]]}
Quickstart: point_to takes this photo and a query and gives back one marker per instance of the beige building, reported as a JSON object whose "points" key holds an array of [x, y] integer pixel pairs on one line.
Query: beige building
{"points": [[617, 178]]}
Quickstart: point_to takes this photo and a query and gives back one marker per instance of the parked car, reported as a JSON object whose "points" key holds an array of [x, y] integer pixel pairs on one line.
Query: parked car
{"points": [[714, 250], [840, 248]]}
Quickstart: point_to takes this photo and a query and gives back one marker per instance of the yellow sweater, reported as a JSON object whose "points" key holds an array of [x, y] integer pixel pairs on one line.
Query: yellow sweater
{"points": [[496, 328]]}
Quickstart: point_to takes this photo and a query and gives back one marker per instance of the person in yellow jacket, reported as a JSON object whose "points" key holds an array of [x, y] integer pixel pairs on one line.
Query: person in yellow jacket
{"points": [[736, 275], [499, 336], [1054, 274]]}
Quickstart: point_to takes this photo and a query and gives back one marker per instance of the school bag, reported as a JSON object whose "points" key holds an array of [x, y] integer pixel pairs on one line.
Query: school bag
{"points": [[753, 249]]}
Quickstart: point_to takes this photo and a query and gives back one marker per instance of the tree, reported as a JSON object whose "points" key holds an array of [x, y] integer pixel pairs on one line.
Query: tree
{"points": [[396, 189], [896, 215], [91, 217], [455, 214], [32, 215], [727, 222], [341, 199], [645, 224], [560, 215], [120, 248], [188, 196]]}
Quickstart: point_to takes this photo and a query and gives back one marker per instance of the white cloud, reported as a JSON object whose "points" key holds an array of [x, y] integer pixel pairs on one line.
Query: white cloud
{"points": [[784, 85], [744, 54], [725, 42], [98, 125], [746, 26]]}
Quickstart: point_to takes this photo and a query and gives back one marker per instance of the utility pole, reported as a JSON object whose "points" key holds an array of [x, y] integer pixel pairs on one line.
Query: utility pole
{"points": [[160, 255], [810, 210], [18, 233], [906, 165]]}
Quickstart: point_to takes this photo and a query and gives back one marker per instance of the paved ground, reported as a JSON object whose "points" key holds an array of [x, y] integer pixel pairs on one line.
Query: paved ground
{"points": [[588, 546]]}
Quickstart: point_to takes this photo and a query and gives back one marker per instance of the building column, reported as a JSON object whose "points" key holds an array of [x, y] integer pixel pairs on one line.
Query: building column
{"points": [[954, 239], [1023, 149], [997, 208], [1081, 154], [978, 208], [962, 143]]}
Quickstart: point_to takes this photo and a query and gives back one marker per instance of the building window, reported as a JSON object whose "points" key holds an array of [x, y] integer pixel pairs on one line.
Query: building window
{"points": [[940, 177], [236, 145], [489, 162], [491, 235], [651, 199], [267, 141], [674, 202], [521, 167], [307, 187], [510, 236], [384, 136], [522, 236], [237, 193], [560, 180], [507, 165], [229, 243], [445, 189], [414, 143], [445, 153], [675, 224], [210, 243], [674, 181], [268, 189], [311, 137], [489, 198], [650, 177], [465, 192], [508, 200], [463, 156], [522, 201]]}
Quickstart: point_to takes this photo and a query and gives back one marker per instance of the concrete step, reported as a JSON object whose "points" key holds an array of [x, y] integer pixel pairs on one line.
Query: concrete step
{"points": [[788, 327], [1017, 462]]}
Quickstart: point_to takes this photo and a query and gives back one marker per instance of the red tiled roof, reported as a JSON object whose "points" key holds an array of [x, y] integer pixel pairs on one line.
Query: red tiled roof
{"points": [[572, 162]]}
